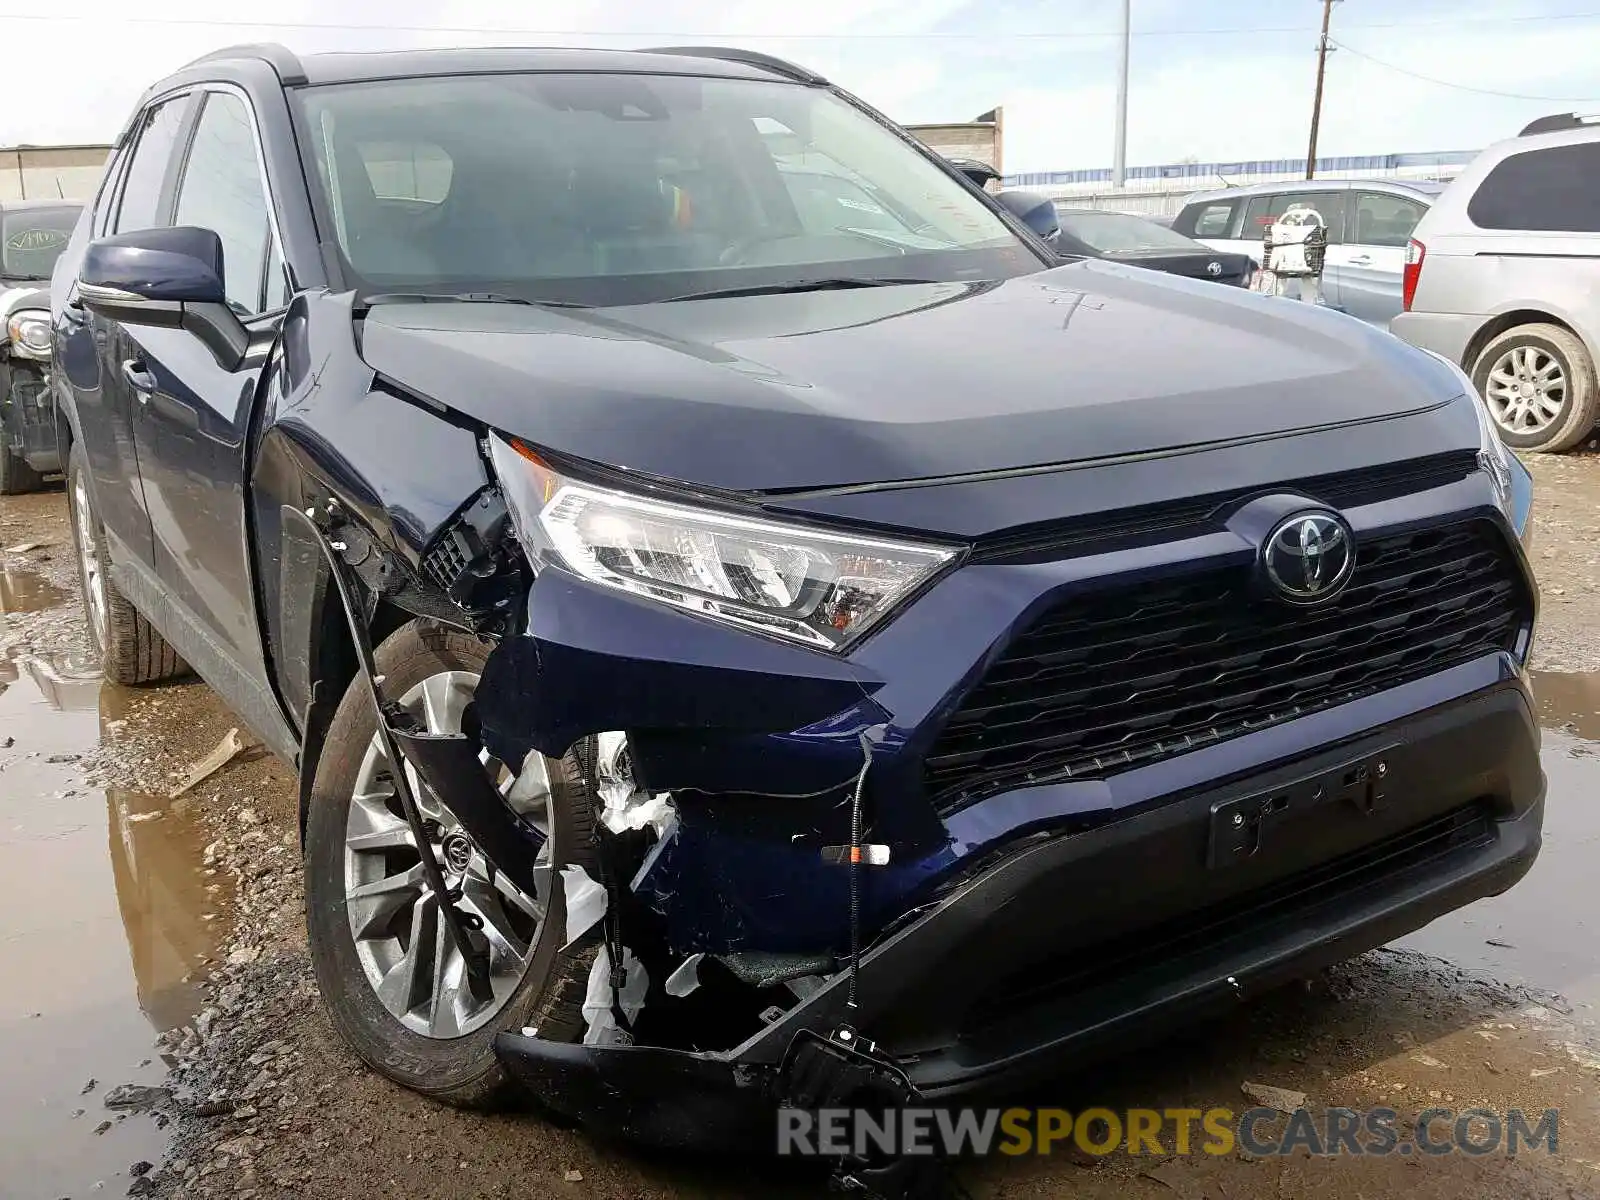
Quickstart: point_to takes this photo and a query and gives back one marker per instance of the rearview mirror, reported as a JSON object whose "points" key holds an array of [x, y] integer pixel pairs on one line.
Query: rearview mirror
{"points": [[169, 278], [1037, 212]]}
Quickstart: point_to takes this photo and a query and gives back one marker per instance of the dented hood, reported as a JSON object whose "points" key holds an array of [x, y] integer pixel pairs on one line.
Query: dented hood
{"points": [[819, 389]]}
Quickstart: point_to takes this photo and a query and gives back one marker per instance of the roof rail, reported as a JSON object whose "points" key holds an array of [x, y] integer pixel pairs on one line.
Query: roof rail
{"points": [[750, 58], [1557, 122], [280, 58]]}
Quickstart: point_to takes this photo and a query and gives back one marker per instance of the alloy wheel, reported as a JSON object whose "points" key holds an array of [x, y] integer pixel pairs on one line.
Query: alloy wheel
{"points": [[404, 947], [89, 566], [1526, 389]]}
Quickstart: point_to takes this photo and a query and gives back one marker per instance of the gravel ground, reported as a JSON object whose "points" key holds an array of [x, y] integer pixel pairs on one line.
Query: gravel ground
{"points": [[264, 1101]]}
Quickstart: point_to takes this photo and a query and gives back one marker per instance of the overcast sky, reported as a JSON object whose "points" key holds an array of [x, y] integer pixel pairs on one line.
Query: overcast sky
{"points": [[1212, 79]]}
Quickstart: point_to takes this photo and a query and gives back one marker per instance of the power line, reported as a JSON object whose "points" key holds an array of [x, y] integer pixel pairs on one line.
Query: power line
{"points": [[935, 35], [1462, 87]]}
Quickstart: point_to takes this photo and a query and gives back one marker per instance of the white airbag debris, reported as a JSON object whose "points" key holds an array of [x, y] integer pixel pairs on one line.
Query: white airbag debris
{"points": [[586, 902], [598, 1016], [635, 811], [686, 978], [623, 806]]}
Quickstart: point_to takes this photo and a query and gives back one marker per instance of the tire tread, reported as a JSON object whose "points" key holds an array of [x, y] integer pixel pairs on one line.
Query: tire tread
{"points": [[136, 652]]}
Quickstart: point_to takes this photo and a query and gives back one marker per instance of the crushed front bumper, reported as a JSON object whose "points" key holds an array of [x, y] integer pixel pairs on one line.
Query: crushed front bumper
{"points": [[1068, 945]]}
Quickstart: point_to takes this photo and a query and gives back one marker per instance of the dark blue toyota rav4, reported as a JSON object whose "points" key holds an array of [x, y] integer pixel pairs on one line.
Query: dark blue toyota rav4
{"points": [[747, 641]]}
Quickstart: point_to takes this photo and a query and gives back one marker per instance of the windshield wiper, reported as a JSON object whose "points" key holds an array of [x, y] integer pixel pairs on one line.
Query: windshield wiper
{"points": [[464, 298], [795, 285]]}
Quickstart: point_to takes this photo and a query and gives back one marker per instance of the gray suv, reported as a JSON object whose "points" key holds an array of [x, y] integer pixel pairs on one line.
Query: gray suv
{"points": [[1503, 277]]}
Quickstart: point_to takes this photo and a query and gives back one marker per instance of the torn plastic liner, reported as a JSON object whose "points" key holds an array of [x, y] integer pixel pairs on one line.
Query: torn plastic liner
{"points": [[686, 978], [600, 1004], [586, 903]]}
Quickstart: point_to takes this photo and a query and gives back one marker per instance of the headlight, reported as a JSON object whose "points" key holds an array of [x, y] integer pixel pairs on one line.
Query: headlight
{"points": [[1496, 459], [809, 586], [29, 330]]}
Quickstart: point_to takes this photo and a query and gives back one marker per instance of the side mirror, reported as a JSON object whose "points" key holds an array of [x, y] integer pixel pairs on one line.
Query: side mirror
{"points": [[1037, 212], [981, 173], [170, 278]]}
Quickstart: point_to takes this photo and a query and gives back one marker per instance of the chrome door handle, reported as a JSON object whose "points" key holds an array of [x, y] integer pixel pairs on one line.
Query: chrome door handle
{"points": [[1361, 260], [139, 379]]}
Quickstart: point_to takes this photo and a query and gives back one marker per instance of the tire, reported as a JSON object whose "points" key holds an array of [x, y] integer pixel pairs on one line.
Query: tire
{"points": [[459, 1070], [17, 478], [1497, 369], [131, 651]]}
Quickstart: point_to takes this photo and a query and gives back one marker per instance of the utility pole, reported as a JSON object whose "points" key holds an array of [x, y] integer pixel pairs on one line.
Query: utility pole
{"points": [[1316, 103], [1119, 159]]}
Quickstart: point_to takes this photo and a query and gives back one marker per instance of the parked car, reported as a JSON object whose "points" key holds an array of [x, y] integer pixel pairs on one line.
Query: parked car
{"points": [[1503, 277], [1077, 234], [1369, 222], [817, 664], [1126, 238], [32, 236]]}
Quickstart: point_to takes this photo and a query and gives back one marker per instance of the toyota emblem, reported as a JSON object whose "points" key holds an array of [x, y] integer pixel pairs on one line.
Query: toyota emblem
{"points": [[1309, 557], [1213, 269]]}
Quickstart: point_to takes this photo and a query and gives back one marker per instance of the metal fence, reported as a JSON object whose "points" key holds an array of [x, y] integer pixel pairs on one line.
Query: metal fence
{"points": [[1160, 191]]}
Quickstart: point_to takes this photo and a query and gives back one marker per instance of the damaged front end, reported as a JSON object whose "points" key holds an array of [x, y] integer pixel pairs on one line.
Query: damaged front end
{"points": [[733, 830], [787, 904]]}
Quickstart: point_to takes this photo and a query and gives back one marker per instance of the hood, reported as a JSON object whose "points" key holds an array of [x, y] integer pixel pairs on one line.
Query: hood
{"points": [[821, 389], [15, 297]]}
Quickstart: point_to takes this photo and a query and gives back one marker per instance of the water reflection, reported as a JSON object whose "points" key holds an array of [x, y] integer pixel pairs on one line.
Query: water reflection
{"points": [[1543, 933], [1569, 703], [105, 900], [25, 591]]}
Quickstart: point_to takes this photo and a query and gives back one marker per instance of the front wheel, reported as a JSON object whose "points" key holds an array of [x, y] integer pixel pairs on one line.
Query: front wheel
{"points": [[392, 979]]}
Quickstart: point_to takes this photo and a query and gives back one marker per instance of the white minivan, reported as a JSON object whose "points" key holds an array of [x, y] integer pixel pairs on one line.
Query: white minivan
{"points": [[1369, 223]]}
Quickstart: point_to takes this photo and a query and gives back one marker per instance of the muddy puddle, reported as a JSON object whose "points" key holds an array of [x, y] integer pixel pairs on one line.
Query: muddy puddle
{"points": [[1543, 932], [108, 920], [25, 592]]}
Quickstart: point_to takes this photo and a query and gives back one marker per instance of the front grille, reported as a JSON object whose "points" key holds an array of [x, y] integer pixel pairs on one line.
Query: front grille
{"points": [[1120, 678], [1208, 932]]}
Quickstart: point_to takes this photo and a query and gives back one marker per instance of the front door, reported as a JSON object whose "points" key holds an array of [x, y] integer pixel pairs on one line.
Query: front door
{"points": [[193, 441]]}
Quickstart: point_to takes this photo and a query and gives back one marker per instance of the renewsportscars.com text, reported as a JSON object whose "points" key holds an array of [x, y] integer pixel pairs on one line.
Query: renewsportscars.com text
{"points": [[963, 1132]]}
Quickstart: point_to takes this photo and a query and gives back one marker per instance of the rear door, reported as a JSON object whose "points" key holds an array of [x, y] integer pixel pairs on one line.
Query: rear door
{"points": [[192, 446], [1372, 256], [1262, 211], [91, 350]]}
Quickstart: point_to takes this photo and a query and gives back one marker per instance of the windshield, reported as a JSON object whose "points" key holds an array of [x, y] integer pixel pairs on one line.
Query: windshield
{"points": [[623, 189], [1111, 233], [31, 239]]}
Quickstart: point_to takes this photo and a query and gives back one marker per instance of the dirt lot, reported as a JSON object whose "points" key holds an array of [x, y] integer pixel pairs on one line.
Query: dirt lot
{"points": [[145, 933]]}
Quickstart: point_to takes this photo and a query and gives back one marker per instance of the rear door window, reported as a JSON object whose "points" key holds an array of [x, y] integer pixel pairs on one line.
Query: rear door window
{"points": [[1383, 220], [1554, 190], [1213, 220], [1262, 211]]}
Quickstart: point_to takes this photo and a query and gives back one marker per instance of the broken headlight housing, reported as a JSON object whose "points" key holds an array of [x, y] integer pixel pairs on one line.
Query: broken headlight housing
{"points": [[29, 333], [808, 585], [1513, 486]]}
